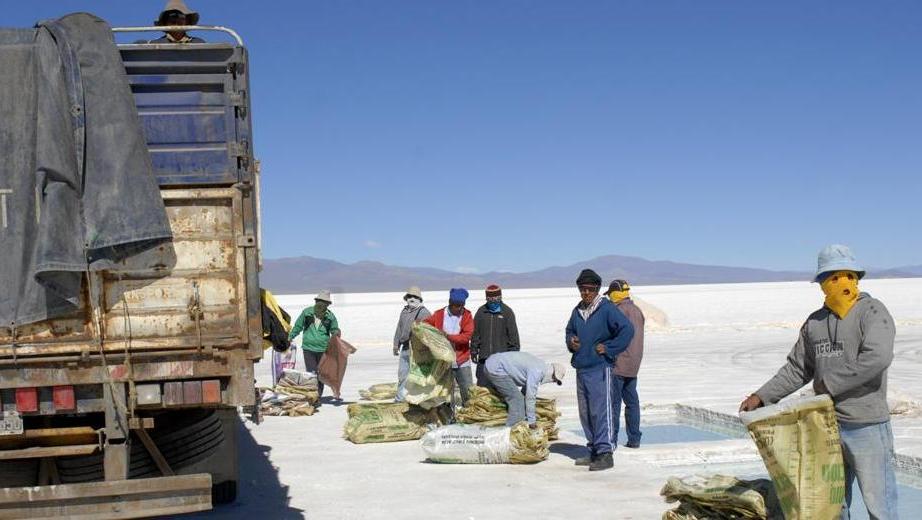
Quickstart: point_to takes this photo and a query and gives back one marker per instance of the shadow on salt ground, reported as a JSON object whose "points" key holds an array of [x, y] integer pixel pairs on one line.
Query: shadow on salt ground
{"points": [[567, 449], [260, 494]]}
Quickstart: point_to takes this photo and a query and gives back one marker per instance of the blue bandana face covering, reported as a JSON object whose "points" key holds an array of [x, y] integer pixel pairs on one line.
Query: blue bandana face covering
{"points": [[494, 307]]}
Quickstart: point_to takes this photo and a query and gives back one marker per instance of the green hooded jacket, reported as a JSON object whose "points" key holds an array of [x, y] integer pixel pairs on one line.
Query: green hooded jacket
{"points": [[316, 336]]}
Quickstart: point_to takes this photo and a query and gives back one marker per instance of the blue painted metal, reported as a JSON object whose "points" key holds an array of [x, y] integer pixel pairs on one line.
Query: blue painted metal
{"points": [[193, 101]]}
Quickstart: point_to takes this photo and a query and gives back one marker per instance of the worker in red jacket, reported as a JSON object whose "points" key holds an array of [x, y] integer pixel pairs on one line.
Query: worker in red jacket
{"points": [[457, 324]]}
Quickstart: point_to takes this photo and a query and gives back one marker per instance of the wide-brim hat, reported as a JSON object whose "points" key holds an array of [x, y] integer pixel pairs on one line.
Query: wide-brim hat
{"points": [[180, 6], [413, 291], [836, 257], [324, 296]]}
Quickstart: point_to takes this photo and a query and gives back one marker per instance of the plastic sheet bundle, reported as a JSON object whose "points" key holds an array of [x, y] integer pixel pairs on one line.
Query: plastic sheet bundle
{"points": [[429, 383], [721, 497], [477, 444], [379, 392], [799, 443], [488, 409], [387, 422]]}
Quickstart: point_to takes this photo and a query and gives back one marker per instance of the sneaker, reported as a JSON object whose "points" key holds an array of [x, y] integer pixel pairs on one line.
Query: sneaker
{"points": [[602, 462], [634, 445], [585, 461]]}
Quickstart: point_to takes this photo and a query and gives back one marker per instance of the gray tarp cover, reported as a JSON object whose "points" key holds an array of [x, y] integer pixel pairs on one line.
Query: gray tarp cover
{"points": [[77, 189]]}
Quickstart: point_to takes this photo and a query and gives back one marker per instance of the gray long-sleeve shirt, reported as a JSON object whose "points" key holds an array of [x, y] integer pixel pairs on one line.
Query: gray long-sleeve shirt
{"points": [[407, 317], [849, 357], [525, 370]]}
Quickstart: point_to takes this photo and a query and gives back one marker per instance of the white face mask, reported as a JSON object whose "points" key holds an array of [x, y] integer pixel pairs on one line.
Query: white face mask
{"points": [[413, 302]]}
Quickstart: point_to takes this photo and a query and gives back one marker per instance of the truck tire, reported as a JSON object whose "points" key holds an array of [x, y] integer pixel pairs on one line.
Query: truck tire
{"points": [[183, 440], [19, 473], [224, 493]]}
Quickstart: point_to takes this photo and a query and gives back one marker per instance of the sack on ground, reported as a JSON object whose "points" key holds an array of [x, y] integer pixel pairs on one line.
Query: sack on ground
{"points": [[476, 444], [290, 399], [488, 409], [429, 382], [387, 422], [799, 442], [379, 392], [721, 497]]}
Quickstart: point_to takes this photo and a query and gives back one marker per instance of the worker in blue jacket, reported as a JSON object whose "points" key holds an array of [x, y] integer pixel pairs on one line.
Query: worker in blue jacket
{"points": [[596, 333]]}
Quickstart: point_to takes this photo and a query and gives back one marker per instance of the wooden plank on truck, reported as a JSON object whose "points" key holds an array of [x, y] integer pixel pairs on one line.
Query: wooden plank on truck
{"points": [[108, 500], [51, 451]]}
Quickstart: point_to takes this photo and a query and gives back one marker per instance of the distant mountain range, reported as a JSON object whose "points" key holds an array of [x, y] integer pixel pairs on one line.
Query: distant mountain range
{"points": [[307, 274]]}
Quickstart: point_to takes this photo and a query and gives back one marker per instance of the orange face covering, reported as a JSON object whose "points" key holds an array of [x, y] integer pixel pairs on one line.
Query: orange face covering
{"points": [[841, 290]]}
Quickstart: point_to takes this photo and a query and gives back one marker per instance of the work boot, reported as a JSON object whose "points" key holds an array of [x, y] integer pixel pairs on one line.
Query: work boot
{"points": [[602, 462], [633, 444], [585, 461]]}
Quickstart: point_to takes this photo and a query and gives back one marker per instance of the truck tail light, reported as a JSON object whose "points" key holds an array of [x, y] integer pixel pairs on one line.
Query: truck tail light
{"points": [[63, 398], [211, 391], [27, 400]]}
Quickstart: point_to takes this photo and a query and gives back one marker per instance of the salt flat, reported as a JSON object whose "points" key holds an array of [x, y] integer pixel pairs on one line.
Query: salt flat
{"points": [[721, 342]]}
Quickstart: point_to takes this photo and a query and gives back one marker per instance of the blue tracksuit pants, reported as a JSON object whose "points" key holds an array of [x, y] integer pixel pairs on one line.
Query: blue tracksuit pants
{"points": [[593, 395]]}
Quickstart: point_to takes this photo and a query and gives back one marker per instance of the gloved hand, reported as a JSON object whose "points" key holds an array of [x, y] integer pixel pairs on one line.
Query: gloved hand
{"points": [[396, 350], [475, 356]]}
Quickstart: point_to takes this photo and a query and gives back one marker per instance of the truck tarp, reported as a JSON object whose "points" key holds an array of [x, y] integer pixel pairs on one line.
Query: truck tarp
{"points": [[77, 191]]}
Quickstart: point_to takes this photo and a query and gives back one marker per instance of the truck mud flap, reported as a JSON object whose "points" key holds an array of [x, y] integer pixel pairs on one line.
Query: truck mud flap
{"points": [[105, 500]]}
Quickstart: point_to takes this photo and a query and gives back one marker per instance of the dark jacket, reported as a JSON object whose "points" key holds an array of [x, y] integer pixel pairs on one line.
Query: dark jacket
{"points": [[494, 332], [606, 325]]}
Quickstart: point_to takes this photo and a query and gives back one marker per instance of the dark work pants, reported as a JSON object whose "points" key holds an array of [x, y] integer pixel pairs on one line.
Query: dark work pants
{"points": [[483, 379], [625, 389], [311, 362]]}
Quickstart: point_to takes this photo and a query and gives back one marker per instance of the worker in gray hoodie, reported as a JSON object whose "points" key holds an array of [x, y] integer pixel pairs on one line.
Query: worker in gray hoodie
{"points": [[516, 376], [411, 313], [845, 348]]}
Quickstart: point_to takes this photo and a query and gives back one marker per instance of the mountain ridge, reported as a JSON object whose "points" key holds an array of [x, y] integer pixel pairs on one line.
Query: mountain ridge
{"points": [[307, 274]]}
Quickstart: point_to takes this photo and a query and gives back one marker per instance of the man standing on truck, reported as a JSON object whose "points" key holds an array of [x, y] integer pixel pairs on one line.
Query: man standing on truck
{"points": [[495, 331], [176, 13], [318, 324], [413, 311], [845, 348]]}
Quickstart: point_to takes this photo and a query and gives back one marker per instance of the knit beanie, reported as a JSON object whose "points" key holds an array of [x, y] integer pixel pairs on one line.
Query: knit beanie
{"points": [[589, 277], [457, 295], [494, 290]]}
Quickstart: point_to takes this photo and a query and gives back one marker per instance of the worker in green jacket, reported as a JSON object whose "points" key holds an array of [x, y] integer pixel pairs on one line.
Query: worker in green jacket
{"points": [[318, 324]]}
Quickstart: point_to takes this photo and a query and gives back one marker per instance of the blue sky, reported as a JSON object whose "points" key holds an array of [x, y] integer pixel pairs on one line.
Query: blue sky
{"points": [[515, 135]]}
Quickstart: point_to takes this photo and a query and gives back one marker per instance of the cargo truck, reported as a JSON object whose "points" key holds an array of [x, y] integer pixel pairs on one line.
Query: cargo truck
{"points": [[129, 406]]}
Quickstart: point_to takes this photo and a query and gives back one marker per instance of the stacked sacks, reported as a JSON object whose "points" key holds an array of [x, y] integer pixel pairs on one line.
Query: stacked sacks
{"points": [[429, 383], [379, 392], [488, 409], [387, 422], [477, 444], [721, 497], [295, 395]]}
